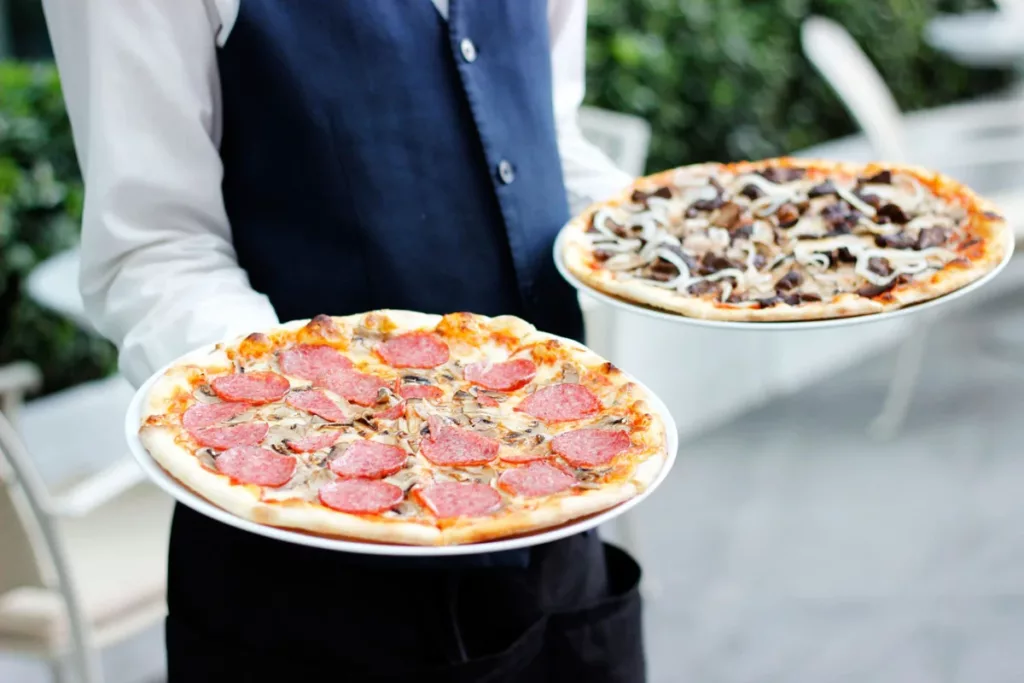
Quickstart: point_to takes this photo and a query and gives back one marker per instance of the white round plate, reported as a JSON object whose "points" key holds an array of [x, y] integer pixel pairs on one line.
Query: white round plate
{"points": [[183, 495], [768, 326]]}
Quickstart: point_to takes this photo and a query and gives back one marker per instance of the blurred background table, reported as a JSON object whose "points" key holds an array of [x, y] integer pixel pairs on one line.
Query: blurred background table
{"points": [[53, 284]]}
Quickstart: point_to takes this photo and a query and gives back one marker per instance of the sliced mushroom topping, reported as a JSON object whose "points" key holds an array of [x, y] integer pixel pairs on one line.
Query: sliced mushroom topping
{"points": [[727, 216], [900, 240], [881, 178], [640, 197], [661, 271], [704, 287], [893, 213], [602, 222], [777, 174], [711, 263], [789, 281], [822, 189], [840, 218], [843, 255], [708, 204], [674, 249], [872, 200], [869, 291], [744, 230], [206, 457], [204, 394], [788, 215], [570, 374], [855, 201], [932, 237], [880, 266], [751, 191]]}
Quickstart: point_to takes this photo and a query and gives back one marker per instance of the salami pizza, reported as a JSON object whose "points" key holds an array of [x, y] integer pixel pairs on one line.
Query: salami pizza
{"points": [[786, 239], [406, 428]]}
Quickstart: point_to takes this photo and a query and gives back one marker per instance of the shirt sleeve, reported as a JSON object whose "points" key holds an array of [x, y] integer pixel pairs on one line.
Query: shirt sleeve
{"points": [[159, 276], [589, 174]]}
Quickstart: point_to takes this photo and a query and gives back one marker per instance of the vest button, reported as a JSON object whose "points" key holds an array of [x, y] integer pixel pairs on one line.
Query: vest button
{"points": [[506, 172], [468, 50]]}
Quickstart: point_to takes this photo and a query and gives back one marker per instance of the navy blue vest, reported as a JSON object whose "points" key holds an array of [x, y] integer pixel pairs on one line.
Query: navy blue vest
{"points": [[374, 159], [363, 158]]}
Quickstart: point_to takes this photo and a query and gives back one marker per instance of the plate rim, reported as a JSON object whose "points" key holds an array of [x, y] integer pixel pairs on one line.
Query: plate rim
{"points": [[185, 496], [773, 325]]}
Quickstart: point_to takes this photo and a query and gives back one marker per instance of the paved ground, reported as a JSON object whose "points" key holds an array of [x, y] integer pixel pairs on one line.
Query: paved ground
{"points": [[803, 550], [790, 547]]}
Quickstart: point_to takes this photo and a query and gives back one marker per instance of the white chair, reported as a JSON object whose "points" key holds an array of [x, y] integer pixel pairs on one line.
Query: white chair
{"points": [[624, 138], [975, 142], [53, 284], [82, 568]]}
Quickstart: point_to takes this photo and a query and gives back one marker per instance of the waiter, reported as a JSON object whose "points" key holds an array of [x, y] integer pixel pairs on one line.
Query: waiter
{"points": [[254, 161]]}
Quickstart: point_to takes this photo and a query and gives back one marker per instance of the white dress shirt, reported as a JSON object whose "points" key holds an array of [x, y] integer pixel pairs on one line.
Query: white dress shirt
{"points": [[158, 273]]}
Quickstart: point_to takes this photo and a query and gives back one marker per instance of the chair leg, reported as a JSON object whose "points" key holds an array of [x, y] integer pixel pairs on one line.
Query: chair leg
{"points": [[909, 360], [57, 671]]}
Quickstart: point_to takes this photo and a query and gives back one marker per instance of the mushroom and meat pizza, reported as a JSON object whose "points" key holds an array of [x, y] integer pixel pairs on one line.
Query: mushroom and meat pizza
{"points": [[406, 428], [786, 239]]}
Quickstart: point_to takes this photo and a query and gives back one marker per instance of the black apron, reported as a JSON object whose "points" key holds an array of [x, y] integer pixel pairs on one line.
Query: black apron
{"points": [[378, 156]]}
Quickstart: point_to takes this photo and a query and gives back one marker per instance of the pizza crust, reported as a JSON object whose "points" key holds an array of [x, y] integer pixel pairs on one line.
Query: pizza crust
{"points": [[245, 500], [168, 444], [577, 254]]}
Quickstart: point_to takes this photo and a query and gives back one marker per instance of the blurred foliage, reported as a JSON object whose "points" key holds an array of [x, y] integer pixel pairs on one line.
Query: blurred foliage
{"points": [[726, 79], [40, 210]]}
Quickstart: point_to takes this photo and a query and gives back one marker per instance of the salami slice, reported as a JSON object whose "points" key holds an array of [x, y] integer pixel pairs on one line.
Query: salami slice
{"points": [[251, 387], [222, 438], [393, 413], [536, 479], [448, 445], [313, 442], [368, 460], [309, 361], [354, 386], [414, 350], [505, 376], [426, 391], [590, 447], [360, 496], [254, 465], [207, 414], [317, 403], [561, 403], [486, 401], [460, 499]]}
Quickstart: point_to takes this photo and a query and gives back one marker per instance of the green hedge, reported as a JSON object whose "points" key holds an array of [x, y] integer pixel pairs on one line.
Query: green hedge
{"points": [[726, 79], [718, 79], [40, 207]]}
